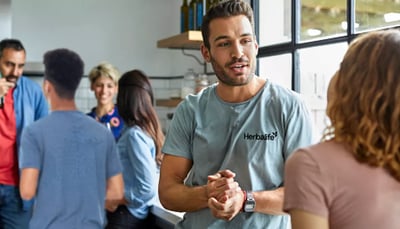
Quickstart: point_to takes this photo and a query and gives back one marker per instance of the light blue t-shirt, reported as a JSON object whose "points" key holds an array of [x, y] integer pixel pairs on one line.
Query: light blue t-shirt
{"points": [[138, 152], [75, 156], [252, 138]]}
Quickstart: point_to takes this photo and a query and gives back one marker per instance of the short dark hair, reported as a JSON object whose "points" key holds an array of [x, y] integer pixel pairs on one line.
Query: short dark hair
{"points": [[64, 69], [11, 43], [223, 9]]}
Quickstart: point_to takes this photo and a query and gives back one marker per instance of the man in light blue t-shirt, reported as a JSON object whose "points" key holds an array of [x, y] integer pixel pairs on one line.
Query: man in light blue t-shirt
{"points": [[226, 146], [68, 161]]}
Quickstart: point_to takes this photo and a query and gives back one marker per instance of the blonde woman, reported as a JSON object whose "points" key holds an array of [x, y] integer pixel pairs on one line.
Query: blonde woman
{"points": [[352, 179], [104, 83]]}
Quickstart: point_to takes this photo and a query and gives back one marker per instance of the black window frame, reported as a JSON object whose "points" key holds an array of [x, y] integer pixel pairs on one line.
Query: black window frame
{"points": [[294, 45]]}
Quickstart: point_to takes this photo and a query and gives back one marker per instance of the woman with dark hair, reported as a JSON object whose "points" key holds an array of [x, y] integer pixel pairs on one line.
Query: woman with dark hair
{"points": [[140, 151]]}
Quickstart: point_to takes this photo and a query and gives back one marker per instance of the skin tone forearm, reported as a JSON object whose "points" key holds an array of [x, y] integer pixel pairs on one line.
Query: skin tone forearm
{"points": [[199, 197], [115, 192], [181, 198], [229, 198], [28, 183], [222, 194], [269, 202]]}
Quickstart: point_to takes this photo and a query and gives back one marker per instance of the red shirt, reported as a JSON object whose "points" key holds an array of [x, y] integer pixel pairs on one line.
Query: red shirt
{"points": [[8, 142]]}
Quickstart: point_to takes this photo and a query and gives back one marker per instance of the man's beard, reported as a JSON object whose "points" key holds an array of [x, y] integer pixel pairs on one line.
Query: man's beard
{"points": [[225, 78], [11, 78]]}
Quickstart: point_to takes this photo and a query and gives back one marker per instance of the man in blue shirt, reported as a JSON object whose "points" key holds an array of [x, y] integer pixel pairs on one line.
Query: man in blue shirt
{"points": [[72, 174], [21, 103]]}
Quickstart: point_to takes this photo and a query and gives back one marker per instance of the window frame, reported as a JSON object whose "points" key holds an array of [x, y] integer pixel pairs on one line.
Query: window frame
{"points": [[295, 44]]}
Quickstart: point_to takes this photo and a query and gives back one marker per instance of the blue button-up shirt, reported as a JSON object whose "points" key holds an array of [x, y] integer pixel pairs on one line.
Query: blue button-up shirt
{"points": [[29, 104]]}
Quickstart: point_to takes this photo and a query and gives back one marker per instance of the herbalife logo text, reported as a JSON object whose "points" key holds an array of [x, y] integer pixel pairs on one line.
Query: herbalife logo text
{"points": [[261, 137]]}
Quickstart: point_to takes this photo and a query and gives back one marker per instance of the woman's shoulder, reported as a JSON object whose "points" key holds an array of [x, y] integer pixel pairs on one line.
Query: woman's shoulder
{"points": [[137, 133], [327, 154]]}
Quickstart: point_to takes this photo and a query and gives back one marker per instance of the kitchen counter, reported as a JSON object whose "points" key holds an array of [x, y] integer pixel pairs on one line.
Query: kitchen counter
{"points": [[173, 102], [165, 219]]}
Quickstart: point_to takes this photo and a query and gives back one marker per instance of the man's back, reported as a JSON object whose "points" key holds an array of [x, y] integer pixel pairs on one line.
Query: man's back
{"points": [[75, 156]]}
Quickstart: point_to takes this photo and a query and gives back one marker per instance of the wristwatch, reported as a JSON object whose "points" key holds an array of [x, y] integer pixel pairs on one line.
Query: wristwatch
{"points": [[249, 203]]}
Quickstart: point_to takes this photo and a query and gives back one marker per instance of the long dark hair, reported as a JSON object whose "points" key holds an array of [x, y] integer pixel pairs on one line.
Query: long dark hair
{"points": [[135, 105]]}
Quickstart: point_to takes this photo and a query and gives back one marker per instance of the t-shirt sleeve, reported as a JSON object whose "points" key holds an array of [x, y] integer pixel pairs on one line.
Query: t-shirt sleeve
{"points": [[306, 187], [30, 155], [180, 132], [300, 129]]}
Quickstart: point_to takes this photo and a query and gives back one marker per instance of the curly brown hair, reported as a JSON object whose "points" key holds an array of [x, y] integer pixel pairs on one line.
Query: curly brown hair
{"points": [[364, 100]]}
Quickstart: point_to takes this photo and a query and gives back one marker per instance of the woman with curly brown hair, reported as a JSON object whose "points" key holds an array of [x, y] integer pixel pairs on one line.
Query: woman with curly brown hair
{"points": [[352, 178]]}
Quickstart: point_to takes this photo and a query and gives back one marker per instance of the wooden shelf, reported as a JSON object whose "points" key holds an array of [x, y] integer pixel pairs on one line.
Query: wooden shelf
{"points": [[173, 102], [188, 40]]}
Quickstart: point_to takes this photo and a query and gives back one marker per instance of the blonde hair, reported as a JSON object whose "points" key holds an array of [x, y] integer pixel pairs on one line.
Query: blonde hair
{"points": [[104, 69], [365, 107]]}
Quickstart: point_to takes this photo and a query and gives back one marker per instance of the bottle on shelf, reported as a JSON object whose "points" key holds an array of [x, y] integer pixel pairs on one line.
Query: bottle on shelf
{"points": [[199, 14], [188, 83], [192, 15], [208, 4], [184, 16], [201, 82]]}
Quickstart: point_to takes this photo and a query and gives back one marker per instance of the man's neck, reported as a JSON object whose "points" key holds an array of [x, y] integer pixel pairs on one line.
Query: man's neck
{"points": [[63, 105], [237, 94]]}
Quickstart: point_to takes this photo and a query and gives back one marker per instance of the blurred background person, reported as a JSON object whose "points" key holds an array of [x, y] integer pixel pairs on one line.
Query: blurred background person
{"points": [[140, 152], [104, 83], [21, 103], [352, 178], [68, 162]]}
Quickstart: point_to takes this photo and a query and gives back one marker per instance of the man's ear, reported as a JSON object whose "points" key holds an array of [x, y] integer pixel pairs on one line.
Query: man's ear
{"points": [[256, 45], [45, 87], [205, 52]]}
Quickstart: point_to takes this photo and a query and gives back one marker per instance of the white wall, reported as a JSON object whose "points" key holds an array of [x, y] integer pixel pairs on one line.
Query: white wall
{"points": [[124, 32], [5, 18]]}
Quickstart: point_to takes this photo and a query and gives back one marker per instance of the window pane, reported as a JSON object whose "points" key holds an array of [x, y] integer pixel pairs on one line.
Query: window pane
{"points": [[274, 22], [322, 18], [278, 69], [315, 74], [372, 14]]}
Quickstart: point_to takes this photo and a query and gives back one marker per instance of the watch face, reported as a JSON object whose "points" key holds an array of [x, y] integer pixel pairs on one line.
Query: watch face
{"points": [[250, 203], [249, 206]]}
